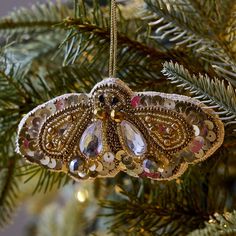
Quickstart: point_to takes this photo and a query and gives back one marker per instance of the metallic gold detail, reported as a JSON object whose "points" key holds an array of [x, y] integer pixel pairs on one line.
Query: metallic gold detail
{"points": [[99, 113], [117, 116]]}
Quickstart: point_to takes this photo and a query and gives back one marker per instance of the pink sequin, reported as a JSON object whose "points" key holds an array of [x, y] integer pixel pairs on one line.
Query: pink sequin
{"points": [[156, 175], [59, 105], [135, 101], [197, 144], [26, 143]]}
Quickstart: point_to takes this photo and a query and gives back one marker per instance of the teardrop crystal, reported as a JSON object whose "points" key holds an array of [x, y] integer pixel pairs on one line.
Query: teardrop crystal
{"points": [[133, 138], [91, 140]]}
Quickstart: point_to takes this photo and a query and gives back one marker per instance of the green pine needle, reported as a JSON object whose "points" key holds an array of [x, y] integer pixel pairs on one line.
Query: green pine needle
{"points": [[210, 91]]}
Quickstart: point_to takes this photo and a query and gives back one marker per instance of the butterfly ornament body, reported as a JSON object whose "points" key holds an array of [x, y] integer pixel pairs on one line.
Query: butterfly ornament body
{"points": [[112, 129]]}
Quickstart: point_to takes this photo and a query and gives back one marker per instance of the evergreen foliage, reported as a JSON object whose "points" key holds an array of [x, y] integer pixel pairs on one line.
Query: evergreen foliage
{"points": [[51, 49]]}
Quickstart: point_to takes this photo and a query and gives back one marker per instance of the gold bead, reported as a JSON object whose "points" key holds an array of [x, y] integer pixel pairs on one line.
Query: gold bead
{"points": [[51, 130], [167, 142], [175, 126], [69, 118], [60, 144], [148, 118], [169, 130], [117, 116], [49, 145], [99, 113]]}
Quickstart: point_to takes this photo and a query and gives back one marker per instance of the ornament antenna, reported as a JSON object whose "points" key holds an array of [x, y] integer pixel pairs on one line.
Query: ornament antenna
{"points": [[113, 41]]}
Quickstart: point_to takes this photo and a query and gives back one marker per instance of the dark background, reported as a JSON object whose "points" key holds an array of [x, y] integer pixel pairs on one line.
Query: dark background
{"points": [[8, 5]]}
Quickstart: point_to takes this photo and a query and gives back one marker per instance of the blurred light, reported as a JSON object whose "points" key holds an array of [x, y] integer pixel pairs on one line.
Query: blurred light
{"points": [[82, 195]]}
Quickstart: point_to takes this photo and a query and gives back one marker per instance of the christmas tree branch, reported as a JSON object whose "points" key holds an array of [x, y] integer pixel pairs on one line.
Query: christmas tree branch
{"points": [[39, 18], [212, 92], [37, 48], [8, 190], [123, 40], [173, 208], [181, 25], [218, 224], [45, 180], [147, 57]]}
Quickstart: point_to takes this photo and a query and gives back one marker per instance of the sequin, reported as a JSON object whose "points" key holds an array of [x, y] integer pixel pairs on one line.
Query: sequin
{"points": [[109, 165], [145, 101], [196, 130], [108, 157], [138, 169], [131, 166], [45, 161], [36, 122], [72, 100], [127, 160], [51, 107], [187, 155], [211, 136], [167, 173], [82, 98], [199, 154], [83, 174], [120, 154], [203, 130], [92, 167], [29, 122], [38, 155], [29, 153], [169, 104], [52, 164], [194, 118], [197, 144], [207, 145], [26, 143], [135, 101], [99, 166], [209, 124], [33, 132], [60, 104]]}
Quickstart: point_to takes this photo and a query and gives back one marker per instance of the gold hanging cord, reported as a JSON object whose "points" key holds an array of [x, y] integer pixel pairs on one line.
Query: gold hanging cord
{"points": [[113, 41]]}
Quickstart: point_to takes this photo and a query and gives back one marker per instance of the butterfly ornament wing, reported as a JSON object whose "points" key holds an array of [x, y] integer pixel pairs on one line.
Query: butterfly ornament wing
{"points": [[181, 131]]}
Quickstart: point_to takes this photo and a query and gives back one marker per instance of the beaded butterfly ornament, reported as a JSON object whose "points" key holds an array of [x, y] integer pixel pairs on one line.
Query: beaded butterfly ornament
{"points": [[112, 129]]}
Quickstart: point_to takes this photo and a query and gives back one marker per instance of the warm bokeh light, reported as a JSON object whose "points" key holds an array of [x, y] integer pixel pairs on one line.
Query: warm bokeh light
{"points": [[82, 195]]}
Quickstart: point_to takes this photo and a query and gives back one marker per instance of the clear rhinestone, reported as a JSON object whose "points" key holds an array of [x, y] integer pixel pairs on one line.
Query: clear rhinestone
{"points": [[150, 166], [91, 140], [133, 138], [75, 165]]}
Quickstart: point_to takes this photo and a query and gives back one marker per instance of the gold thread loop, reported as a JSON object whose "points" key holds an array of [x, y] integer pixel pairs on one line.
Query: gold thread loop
{"points": [[113, 41]]}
